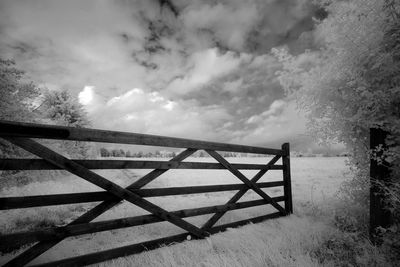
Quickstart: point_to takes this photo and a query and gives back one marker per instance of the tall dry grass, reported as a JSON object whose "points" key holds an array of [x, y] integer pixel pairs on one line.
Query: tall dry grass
{"points": [[313, 236]]}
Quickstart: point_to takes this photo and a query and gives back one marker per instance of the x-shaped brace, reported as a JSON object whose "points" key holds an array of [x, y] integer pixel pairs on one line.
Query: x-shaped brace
{"points": [[119, 192], [250, 183]]}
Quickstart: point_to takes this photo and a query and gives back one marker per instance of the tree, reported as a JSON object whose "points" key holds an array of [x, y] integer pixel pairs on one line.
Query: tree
{"points": [[104, 152], [352, 84], [59, 107], [17, 97], [17, 100]]}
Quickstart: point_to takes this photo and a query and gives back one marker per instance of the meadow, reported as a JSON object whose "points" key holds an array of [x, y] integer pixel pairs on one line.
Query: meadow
{"points": [[297, 240]]}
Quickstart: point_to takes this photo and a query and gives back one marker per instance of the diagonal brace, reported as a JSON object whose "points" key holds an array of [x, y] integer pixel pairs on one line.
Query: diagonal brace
{"points": [[100, 181], [39, 248], [243, 178], [241, 192]]}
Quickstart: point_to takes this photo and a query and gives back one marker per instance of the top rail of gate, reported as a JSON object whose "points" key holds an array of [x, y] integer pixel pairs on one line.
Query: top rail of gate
{"points": [[34, 130]]}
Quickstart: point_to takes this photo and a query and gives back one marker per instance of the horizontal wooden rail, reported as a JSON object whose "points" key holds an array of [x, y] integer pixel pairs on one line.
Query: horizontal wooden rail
{"points": [[31, 130], [74, 198], [87, 228], [40, 164], [21, 134], [148, 245]]}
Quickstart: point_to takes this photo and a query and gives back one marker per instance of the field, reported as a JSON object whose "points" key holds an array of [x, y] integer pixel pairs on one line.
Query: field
{"points": [[288, 241]]}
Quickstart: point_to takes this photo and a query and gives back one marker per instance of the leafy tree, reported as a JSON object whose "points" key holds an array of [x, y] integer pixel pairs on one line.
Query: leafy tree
{"points": [[17, 100], [116, 153], [352, 84], [59, 107], [104, 152], [17, 97]]}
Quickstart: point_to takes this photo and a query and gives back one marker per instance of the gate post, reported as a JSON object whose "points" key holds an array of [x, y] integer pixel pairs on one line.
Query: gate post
{"points": [[380, 216], [287, 184]]}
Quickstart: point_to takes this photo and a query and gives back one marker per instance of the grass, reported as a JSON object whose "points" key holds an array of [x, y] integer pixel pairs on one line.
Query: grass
{"points": [[309, 237]]}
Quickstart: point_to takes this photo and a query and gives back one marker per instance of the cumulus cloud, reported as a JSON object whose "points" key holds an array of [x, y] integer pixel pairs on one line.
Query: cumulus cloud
{"points": [[86, 95], [140, 111], [199, 69], [204, 66], [281, 121]]}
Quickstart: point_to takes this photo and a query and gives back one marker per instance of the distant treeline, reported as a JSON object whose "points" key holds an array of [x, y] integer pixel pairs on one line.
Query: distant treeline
{"points": [[104, 152], [115, 152]]}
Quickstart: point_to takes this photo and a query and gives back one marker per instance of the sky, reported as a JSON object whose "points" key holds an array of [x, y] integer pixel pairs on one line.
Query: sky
{"points": [[192, 69]]}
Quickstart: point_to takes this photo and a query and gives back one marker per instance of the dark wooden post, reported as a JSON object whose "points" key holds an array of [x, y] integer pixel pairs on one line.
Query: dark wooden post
{"points": [[379, 173], [286, 178]]}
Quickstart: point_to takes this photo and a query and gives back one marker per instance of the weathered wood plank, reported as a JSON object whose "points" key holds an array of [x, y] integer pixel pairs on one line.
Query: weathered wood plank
{"points": [[66, 133], [238, 195], [7, 203], [20, 129], [39, 248], [86, 228], [40, 164], [102, 182], [244, 179], [145, 246], [109, 254], [287, 179], [74, 198]]}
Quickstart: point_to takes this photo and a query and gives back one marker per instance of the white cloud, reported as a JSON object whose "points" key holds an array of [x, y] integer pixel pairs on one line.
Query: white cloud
{"points": [[143, 112], [282, 121], [274, 110], [202, 76], [202, 67], [86, 95]]}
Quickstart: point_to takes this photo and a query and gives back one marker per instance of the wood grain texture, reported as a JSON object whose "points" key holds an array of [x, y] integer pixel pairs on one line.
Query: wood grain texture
{"points": [[19, 134], [74, 198], [31, 130], [40, 164], [287, 179], [244, 179], [124, 251], [54, 233], [238, 195], [39, 248]]}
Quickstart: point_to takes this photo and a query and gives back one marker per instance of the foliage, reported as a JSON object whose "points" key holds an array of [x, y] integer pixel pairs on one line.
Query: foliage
{"points": [[104, 152], [23, 101], [352, 83], [59, 107], [16, 95], [17, 100], [348, 249]]}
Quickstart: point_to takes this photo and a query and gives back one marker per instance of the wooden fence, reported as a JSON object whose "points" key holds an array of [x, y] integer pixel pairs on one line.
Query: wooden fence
{"points": [[20, 134]]}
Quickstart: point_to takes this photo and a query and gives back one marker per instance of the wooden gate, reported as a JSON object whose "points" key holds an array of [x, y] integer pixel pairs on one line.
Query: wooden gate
{"points": [[21, 134]]}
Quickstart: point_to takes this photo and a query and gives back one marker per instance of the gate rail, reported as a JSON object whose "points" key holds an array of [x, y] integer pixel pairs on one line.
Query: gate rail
{"points": [[20, 134]]}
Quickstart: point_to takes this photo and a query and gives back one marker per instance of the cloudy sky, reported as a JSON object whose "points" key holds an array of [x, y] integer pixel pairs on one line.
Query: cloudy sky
{"points": [[195, 69]]}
